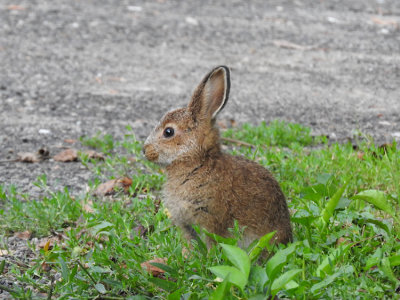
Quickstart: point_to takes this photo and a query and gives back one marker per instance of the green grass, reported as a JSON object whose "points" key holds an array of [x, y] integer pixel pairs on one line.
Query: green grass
{"points": [[345, 213]]}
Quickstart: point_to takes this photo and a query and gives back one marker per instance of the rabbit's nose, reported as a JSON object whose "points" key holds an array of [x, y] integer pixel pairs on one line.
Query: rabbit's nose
{"points": [[150, 152]]}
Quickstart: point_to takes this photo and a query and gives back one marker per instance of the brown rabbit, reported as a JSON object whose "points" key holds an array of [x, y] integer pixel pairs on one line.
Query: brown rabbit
{"points": [[207, 187]]}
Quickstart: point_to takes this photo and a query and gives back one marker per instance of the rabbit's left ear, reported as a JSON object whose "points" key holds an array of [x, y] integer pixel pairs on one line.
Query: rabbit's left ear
{"points": [[211, 95]]}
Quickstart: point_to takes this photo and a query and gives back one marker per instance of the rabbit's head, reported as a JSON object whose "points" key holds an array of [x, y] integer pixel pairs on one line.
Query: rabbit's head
{"points": [[189, 133]]}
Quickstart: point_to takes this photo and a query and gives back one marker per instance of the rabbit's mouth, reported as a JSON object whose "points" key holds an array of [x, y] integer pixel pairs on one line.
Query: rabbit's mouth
{"points": [[150, 153]]}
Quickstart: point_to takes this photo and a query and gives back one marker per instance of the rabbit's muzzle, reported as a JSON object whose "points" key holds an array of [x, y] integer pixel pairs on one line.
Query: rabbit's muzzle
{"points": [[150, 152]]}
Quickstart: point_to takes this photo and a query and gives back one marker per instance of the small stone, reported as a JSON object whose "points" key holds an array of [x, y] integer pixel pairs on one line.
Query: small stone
{"points": [[44, 131], [192, 21]]}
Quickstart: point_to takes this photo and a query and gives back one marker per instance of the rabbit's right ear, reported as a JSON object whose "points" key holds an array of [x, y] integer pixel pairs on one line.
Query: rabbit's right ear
{"points": [[211, 95]]}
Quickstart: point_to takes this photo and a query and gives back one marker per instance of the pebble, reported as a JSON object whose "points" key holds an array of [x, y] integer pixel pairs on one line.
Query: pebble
{"points": [[44, 131]]}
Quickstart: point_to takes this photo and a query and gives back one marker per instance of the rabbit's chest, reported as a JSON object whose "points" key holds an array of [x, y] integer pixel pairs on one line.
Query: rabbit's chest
{"points": [[187, 201]]}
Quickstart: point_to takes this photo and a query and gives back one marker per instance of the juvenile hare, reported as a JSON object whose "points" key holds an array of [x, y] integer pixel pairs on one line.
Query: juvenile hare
{"points": [[207, 187]]}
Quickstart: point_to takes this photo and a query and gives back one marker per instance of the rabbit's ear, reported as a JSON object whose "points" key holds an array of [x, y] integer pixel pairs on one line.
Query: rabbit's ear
{"points": [[211, 95]]}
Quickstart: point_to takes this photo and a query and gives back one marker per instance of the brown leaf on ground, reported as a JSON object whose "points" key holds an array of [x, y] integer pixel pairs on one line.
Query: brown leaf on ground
{"points": [[153, 270], [131, 160], [48, 243], [15, 7], [94, 154], [385, 21], [67, 155], [28, 157], [88, 207], [140, 230], [113, 92], [111, 186], [45, 267], [24, 235], [341, 241], [360, 155], [70, 141]]}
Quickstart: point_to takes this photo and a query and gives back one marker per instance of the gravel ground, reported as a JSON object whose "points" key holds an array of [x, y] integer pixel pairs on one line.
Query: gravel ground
{"points": [[74, 68]]}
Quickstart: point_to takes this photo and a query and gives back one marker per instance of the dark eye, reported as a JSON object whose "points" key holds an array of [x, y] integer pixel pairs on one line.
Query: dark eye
{"points": [[168, 132]]}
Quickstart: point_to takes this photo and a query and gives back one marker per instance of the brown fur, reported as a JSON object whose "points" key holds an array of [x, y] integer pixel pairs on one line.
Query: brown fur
{"points": [[206, 186]]}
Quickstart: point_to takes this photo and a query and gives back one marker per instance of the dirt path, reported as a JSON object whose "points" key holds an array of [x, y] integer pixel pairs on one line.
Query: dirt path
{"points": [[73, 68]]}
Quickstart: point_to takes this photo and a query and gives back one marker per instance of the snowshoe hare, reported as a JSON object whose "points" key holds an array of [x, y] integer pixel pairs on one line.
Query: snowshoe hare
{"points": [[207, 187]]}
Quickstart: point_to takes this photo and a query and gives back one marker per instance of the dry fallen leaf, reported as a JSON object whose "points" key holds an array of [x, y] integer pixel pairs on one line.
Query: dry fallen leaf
{"points": [[385, 22], [25, 235], [45, 267], [341, 241], [153, 270], [111, 186], [47, 243], [88, 207], [113, 92], [28, 157], [15, 7], [94, 154], [67, 155], [70, 141], [140, 230], [360, 155]]}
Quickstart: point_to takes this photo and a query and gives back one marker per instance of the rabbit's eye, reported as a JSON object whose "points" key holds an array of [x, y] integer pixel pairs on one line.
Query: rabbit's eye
{"points": [[168, 132]]}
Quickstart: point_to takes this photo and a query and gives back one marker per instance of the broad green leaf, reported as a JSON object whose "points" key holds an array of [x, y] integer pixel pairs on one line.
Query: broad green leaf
{"points": [[387, 270], [374, 259], [376, 198], [64, 268], [258, 277], [291, 285], [100, 288], [238, 258], [378, 223], [236, 277], [275, 263], [103, 225], [324, 178], [73, 273], [175, 295], [330, 261], [394, 260], [330, 206], [331, 278], [262, 243], [220, 239], [166, 285], [282, 280], [303, 217], [327, 281], [221, 291]]}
